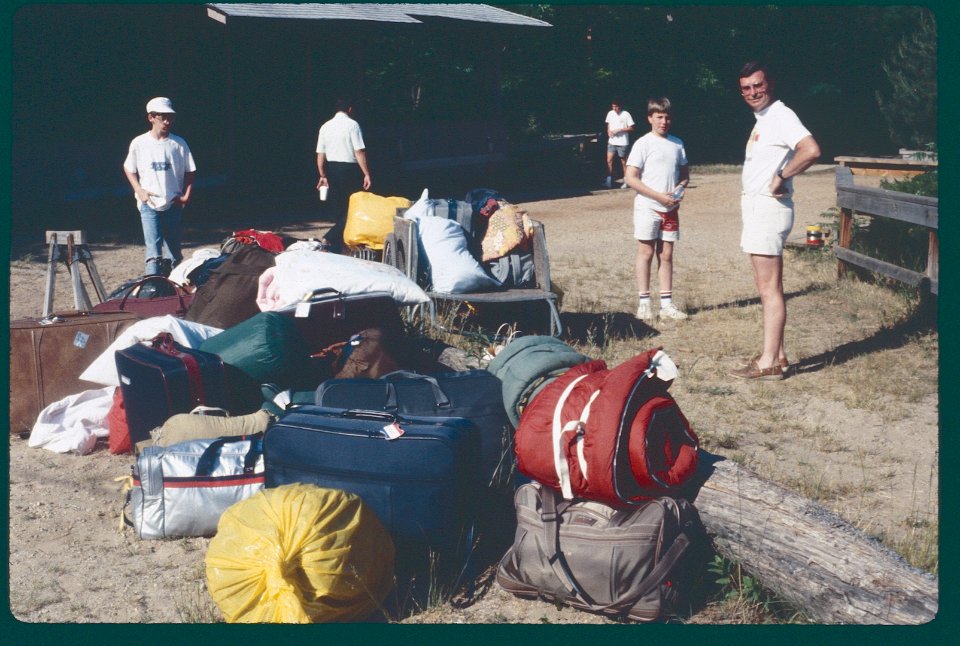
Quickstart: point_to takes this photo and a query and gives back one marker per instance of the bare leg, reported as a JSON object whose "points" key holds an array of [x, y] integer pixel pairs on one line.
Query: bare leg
{"points": [[645, 251], [768, 275], [665, 261]]}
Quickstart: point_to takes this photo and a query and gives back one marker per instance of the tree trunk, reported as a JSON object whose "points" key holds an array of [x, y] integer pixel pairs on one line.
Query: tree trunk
{"points": [[808, 555]]}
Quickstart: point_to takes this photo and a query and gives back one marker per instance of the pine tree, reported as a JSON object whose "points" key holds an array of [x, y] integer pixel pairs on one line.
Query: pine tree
{"points": [[910, 109]]}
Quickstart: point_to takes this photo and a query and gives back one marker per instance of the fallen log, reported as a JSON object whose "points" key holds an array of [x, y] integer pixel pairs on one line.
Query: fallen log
{"points": [[806, 554]]}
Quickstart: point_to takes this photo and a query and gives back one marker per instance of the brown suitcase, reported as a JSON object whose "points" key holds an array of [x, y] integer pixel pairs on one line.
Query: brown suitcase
{"points": [[46, 358]]}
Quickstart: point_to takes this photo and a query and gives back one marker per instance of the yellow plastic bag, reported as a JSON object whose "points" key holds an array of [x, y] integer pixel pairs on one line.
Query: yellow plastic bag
{"points": [[370, 219], [299, 554]]}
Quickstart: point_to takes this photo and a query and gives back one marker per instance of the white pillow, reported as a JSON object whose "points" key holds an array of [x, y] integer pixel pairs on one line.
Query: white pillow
{"points": [[453, 269], [299, 272]]}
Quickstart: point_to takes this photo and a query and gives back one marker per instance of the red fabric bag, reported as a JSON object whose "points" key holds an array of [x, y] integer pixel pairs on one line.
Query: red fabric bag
{"points": [[117, 426], [613, 436], [177, 304]]}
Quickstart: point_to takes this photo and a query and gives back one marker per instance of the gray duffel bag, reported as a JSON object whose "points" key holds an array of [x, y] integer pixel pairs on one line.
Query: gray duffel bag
{"points": [[631, 563], [181, 490]]}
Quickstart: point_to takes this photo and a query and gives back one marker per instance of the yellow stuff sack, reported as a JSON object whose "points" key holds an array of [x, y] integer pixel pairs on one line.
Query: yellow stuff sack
{"points": [[299, 554], [370, 219]]}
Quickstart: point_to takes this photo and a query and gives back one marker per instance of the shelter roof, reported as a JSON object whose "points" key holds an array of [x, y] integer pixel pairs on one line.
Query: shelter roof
{"points": [[395, 13]]}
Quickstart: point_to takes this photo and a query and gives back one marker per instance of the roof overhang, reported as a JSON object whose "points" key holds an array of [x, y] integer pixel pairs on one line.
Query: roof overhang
{"points": [[391, 13]]}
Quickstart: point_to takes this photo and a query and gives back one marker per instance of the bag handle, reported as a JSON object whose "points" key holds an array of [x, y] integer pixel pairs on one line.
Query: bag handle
{"points": [[208, 459], [320, 291], [439, 396], [177, 289], [551, 512]]}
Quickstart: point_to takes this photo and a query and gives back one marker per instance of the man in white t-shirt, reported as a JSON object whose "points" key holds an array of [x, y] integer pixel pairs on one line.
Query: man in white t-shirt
{"points": [[779, 148], [657, 169], [619, 126], [342, 164], [161, 170]]}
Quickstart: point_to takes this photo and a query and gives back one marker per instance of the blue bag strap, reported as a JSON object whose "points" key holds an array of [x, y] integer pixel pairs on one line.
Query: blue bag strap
{"points": [[208, 459], [439, 396]]}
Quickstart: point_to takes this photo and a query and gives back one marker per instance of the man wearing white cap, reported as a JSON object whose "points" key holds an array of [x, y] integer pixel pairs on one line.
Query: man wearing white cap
{"points": [[161, 170]]}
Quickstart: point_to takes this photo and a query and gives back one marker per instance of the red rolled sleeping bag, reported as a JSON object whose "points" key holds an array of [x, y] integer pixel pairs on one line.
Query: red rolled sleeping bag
{"points": [[611, 435]]}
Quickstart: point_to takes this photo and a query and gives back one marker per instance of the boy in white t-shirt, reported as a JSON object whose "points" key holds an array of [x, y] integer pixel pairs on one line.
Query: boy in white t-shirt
{"points": [[658, 171], [161, 170], [619, 126]]}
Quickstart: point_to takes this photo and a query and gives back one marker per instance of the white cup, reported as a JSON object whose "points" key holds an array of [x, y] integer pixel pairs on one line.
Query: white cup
{"points": [[323, 193]]}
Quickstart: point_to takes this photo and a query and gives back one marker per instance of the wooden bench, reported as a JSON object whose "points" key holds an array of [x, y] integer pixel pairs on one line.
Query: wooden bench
{"points": [[401, 251]]}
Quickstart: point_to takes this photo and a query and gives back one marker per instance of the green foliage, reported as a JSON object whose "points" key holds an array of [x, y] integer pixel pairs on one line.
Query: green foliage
{"points": [[924, 184], [910, 109], [745, 593]]}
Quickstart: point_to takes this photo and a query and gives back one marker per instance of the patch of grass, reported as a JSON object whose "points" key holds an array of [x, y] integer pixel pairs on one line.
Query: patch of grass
{"points": [[742, 600]]}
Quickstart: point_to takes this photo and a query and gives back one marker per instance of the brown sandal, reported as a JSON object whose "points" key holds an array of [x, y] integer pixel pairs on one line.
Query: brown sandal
{"points": [[754, 371], [784, 363]]}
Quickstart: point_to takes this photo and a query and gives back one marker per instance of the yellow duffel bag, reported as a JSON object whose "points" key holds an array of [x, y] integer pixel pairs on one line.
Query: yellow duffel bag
{"points": [[370, 219], [299, 554]]}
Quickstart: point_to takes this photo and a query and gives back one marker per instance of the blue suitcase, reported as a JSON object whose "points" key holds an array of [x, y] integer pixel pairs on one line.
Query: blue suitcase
{"points": [[418, 475], [476, 395]]}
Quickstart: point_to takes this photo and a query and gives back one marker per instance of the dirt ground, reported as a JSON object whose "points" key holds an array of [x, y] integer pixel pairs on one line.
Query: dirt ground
{"points": [[70, 562]]}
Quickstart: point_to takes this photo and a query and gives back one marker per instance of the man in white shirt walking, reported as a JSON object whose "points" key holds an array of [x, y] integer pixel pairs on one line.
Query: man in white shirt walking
{"points": [[342, 164], [161, 170]]}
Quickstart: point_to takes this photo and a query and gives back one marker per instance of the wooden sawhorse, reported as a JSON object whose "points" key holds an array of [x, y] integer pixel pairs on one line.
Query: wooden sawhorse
{"points": [[71, 248]]}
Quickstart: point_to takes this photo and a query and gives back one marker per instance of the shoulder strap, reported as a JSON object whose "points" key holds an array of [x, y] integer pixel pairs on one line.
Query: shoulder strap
{"points": [[550, 515]]}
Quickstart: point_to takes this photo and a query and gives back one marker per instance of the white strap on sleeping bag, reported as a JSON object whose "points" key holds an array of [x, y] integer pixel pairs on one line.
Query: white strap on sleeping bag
{"points": [[662, 366], [559, 457]]}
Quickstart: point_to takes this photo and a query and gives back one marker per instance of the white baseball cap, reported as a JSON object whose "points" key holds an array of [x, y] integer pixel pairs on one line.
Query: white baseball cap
{"points": [[160, 104]]}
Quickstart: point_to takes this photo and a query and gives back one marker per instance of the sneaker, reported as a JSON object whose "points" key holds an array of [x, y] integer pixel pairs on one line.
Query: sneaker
{"points": [[671, 312], [644, 312], [608, 182]]}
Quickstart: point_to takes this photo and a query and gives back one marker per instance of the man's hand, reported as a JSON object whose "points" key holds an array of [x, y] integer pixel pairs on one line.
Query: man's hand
{"points": [[367, 182], [323, 182], [144, 195]]}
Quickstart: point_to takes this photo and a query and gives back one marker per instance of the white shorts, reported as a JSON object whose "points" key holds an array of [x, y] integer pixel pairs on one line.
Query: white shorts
{"points": [[654, 225], [767, 222]]}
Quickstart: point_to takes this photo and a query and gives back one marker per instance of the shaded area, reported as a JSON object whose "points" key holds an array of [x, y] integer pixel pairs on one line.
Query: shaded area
{"points": [[599, 327], [922, 320]]}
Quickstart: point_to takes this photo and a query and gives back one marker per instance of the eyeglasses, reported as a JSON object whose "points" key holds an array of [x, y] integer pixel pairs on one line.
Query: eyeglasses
{"points": [[162, 116], [756, 87]]}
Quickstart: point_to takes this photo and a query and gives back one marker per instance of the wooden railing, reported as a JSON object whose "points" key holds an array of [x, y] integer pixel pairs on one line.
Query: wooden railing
{"points": [[876, 202]]}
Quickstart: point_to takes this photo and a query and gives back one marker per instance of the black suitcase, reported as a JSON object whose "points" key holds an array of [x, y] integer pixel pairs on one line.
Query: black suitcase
{"points": [[476, 395], [327, 316], [421, 484], [165, 378]]}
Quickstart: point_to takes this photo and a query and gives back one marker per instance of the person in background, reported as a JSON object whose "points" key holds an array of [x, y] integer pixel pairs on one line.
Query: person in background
{"points": [[161, 171], [657, 169], [619, 126], [779, 148], [342, 164]]}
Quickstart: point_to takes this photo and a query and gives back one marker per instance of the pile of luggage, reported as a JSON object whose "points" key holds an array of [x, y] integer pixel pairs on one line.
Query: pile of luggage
{"points": [[334, 457]]}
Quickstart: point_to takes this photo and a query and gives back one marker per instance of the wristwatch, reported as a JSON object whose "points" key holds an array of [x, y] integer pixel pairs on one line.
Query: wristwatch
{"points": [[780, 174]]}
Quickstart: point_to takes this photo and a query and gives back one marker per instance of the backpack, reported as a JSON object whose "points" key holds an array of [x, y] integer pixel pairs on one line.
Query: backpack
{"points": [[634, 563], [610, 435], [513, 271]]}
